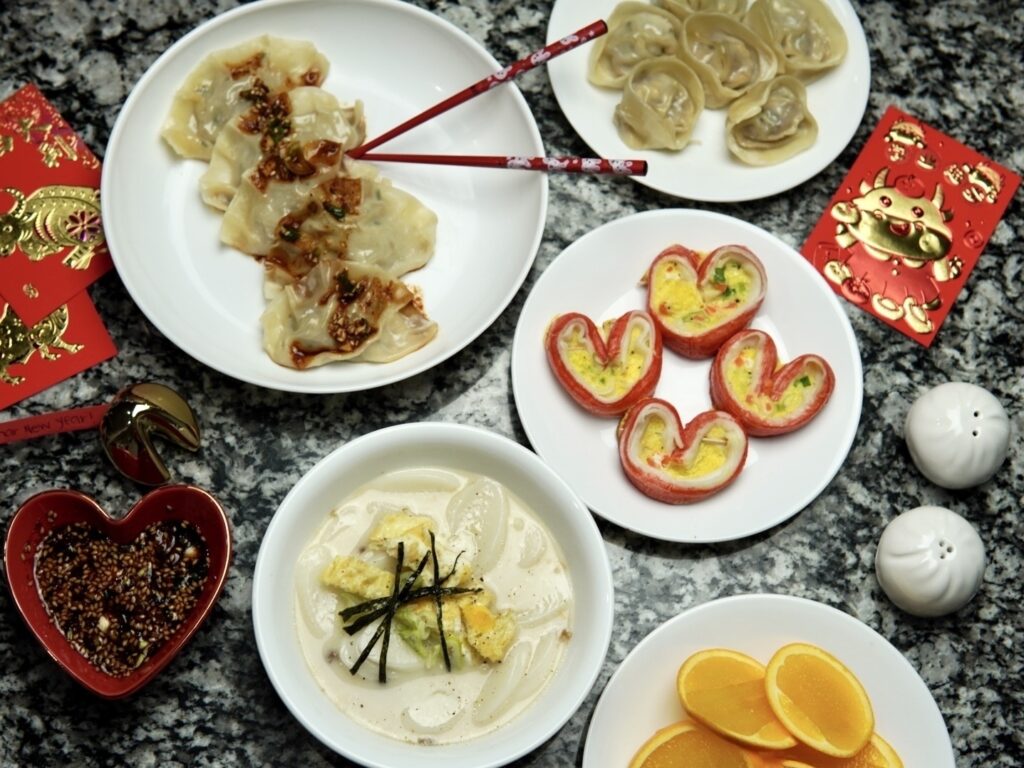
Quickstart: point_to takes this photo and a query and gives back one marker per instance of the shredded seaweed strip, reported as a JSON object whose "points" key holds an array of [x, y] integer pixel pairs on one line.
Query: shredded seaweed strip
{"points": [[367, 612], [438, 603]]}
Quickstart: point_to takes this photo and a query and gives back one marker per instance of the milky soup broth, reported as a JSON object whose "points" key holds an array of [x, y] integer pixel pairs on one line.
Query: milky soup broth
{"points": [[507, 551]]}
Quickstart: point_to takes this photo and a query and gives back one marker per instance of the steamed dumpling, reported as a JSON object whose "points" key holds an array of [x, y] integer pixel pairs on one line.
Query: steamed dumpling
{"points": [[344, 311], [347, 211], [683, 8], [770, 123], [233, 81], [804, 34], [311, 115], [660, 105], [636, 32], [728, 58]]}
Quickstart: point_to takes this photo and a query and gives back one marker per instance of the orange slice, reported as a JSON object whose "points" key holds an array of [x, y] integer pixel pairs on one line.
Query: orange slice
{"points": [[819, 700], [877, 754], [725, 691], [687, 744]]}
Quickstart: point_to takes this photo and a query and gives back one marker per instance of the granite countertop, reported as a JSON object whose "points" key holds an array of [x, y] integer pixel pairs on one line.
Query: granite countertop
{"points": [[957, 65]]}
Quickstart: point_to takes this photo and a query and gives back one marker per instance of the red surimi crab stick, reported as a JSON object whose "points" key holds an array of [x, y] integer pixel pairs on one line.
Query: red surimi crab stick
{"points": [[605, 374], [768, 398], [700, 301]]}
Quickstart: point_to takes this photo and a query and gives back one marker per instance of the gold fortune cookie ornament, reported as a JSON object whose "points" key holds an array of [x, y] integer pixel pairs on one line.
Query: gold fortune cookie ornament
{"points": [[138, 412]]}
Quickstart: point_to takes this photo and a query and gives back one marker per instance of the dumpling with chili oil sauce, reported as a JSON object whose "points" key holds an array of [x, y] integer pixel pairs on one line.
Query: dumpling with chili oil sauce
{"points": [[347, 211], [771, 122], [232, 81], [660, 105], [728, 58], [636, 32], [298, 128], [683, 8], [805, 35], [344, 311]]}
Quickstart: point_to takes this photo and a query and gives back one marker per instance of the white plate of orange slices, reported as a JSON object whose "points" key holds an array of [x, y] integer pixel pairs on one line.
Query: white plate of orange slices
{"points": [[766, 681]]}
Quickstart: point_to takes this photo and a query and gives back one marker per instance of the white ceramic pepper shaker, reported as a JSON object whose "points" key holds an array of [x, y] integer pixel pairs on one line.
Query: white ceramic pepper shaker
{"points": [[930, 561], [958, 434]]}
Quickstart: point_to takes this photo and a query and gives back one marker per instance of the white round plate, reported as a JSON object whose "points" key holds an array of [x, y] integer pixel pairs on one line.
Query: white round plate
{"points": [[464, 448], [207, 298], [598, 275], [705, 169], [641, 696]]}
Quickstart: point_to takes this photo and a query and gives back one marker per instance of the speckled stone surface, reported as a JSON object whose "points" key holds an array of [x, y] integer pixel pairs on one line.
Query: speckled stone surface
{"points": [[958, 65]]}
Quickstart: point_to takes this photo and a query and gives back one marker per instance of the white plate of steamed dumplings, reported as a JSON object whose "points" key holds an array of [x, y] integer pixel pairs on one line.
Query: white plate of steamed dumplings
{"points": [[704, 169], [208, 297]]}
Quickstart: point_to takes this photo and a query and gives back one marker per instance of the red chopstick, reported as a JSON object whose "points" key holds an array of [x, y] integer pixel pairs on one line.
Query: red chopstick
{"points": [[557, 48], [550, 164]]}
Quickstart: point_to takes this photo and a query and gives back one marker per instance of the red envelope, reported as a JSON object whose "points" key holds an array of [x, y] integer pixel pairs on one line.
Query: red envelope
{"points": [[51, 238], [68, 340], [909, 223]]}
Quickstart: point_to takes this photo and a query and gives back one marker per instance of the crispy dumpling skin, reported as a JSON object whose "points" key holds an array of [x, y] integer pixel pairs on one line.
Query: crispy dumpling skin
{"points": [[728, 58], [343, 311], [683, 8], [804, 34], [771, 122], [314, 115], [347, 210], [636, 32], [216, 91], [660, 105]]}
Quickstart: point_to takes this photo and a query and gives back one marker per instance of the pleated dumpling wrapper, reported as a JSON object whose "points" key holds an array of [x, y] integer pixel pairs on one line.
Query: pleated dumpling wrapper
{"points": [[227, 83], [728, 57], [770, 123], [660, 105], [344, 311], [683, 8], [804, 34], [297, 129], [342, 211], [636, 32]]}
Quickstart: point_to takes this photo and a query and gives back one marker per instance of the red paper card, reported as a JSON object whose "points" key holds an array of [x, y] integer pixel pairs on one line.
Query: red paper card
{"points": [[68, 340], [51, 237], [909, 223]]}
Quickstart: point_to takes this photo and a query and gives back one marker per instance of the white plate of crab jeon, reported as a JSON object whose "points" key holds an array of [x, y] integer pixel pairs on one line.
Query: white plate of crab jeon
{"points": [[727, 100], [250, 240], [432, 596], [707, 321]]}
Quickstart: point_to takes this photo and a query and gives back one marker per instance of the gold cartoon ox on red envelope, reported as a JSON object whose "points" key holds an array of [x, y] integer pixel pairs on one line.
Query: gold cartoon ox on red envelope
{"points": [[897, 249]]}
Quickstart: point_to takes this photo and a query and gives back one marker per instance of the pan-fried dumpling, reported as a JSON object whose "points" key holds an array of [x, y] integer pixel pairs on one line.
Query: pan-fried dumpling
{"points": [[230, 82], [771, 122], [346, 211], [312, 116], [683, 8], [636, 31], [344, 311], [728, 58], [805, 35], [660, 105]]}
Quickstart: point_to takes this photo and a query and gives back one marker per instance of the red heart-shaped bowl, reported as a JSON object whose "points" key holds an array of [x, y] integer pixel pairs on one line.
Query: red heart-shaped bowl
{"points": [[50, 510]]}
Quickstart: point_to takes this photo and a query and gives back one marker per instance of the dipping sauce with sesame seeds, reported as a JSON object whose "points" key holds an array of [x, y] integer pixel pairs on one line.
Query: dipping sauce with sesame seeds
{"points": [[505, 549], [118, 604]]}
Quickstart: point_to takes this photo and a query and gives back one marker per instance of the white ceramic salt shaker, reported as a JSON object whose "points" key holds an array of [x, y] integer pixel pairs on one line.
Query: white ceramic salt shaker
{"points": [[958, 434], [930, 561]]}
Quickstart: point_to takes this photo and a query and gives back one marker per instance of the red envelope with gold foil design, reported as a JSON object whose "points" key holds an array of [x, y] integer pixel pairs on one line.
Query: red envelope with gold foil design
{"points": [[51, 237], [33, 357], [909, 223]]}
